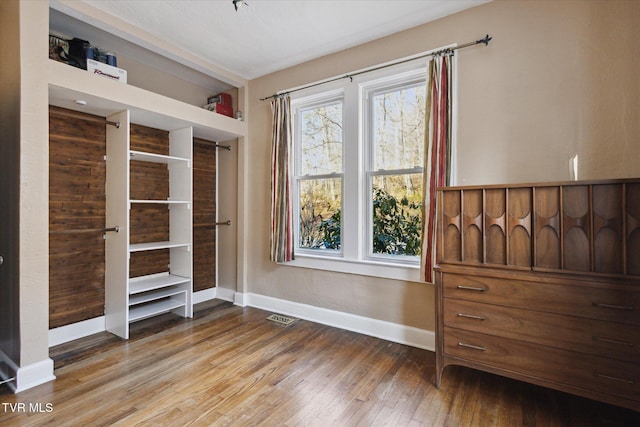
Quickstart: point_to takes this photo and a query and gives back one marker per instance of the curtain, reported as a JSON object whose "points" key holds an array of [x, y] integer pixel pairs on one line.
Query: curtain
{"points": [[437, 167], [281, 201]]}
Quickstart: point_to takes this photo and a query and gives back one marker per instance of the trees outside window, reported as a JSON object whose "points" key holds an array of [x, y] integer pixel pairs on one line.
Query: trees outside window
{"points": [[319, 169]]}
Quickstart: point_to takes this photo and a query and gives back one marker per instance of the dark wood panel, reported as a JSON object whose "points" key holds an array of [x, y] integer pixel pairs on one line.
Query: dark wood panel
{"points": [[77, 173], [149, 140], [149, 262], [149, 181], [149, 223], [204, 214]]}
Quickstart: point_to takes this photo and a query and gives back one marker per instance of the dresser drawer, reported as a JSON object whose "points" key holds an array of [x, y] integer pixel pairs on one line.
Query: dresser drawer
{"points": [[596, 337], [615, 304], [610, 377]]}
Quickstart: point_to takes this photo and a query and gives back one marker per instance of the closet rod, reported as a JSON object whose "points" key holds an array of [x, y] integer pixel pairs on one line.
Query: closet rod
{"points": [[447, 51], [88, 118], [86, 230], [214, 143]]}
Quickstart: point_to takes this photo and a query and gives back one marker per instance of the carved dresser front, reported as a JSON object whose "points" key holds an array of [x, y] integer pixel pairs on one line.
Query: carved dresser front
{"points": [[541, 283]]}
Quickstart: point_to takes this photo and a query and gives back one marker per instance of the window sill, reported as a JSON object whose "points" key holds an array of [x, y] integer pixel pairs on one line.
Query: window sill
{"points": [[385, 270]]}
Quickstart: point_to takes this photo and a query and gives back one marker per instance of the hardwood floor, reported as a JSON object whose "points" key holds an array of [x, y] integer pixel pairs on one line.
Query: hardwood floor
{"points": [[230, 366]]}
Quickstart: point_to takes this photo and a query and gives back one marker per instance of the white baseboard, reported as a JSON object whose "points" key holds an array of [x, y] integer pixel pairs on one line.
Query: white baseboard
{"points": [[394, 332], [225, 294], [204, 295], [240, 299], [76, 330], [33, 375], [88, 327]]}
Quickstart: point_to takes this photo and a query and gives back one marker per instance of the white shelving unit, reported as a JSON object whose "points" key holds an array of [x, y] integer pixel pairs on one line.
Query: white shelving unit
{"points": [[131, 299], [171, 291]]}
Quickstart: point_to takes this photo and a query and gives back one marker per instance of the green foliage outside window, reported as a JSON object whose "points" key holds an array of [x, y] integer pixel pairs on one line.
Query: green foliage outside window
{"points": [[397, 226]]}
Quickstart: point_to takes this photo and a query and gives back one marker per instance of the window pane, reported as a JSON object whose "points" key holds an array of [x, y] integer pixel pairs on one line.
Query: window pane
{"points": [[398, 128], [321, 142], [397, 214], [320, 212]]}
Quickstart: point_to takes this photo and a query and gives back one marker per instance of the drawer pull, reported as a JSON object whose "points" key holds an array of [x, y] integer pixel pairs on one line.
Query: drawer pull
{"points": [[471, 288], [471, 346], [614, 306], [609, 377], [612, 341], [471, 316]]}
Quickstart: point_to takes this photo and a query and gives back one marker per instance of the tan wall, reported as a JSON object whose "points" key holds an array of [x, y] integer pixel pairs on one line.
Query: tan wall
{"points": [[34, 184], [9, 176], [536, 96]]}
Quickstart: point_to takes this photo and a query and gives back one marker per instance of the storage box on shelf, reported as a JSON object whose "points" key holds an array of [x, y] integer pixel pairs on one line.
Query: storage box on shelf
{"points": [[541, 283]]}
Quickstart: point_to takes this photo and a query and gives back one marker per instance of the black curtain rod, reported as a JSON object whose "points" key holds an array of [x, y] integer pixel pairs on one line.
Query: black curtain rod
{"points": [[485, 40]]}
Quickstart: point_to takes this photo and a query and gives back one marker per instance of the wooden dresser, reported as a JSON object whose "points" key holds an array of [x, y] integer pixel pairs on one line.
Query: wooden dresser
{"points": [[541, 283]]}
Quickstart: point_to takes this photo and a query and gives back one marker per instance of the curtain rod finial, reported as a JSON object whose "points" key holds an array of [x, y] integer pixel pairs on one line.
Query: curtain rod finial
{"points": [[485, 40]]}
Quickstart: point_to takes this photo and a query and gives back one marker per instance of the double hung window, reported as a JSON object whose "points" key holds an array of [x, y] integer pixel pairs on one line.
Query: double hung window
{"points": [[358, 173], [319, 174]]}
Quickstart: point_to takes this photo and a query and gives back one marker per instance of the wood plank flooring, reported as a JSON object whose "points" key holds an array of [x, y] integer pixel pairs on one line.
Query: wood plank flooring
{"points": [[230, 366]]}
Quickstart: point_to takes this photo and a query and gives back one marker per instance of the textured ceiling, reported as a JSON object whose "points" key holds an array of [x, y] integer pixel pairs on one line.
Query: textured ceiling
{"points": [[269, 35]]}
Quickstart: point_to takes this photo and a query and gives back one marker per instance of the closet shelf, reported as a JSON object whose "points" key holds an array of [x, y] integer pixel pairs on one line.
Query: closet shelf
{"points": [[154, 281], [156, 158], [162, 202], [153, 309], [151, 246], [155, 295], [105, 97]]}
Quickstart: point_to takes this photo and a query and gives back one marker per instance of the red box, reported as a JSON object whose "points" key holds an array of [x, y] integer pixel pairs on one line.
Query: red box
{"points": [[223, 103]]}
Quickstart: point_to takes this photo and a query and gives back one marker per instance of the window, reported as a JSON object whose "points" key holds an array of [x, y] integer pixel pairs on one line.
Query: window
{"points": [[358, 173], [395, 140], [318, 172]]}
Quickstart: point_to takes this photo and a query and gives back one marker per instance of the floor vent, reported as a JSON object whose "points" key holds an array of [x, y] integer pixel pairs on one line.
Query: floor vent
{"points": [[283, 320]]}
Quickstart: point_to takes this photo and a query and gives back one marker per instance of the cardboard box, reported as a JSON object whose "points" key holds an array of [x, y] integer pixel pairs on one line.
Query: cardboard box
{"points": [[104, 70]]}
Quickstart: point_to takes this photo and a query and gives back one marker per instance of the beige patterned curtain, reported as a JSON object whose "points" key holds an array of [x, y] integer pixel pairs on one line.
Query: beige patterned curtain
{"points": [[281, 199], [437, 167]]}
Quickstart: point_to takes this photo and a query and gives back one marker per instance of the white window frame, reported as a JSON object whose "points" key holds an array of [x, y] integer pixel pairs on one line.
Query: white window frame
{"points": [[369, 89], [318, 100], [355, 254]]}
